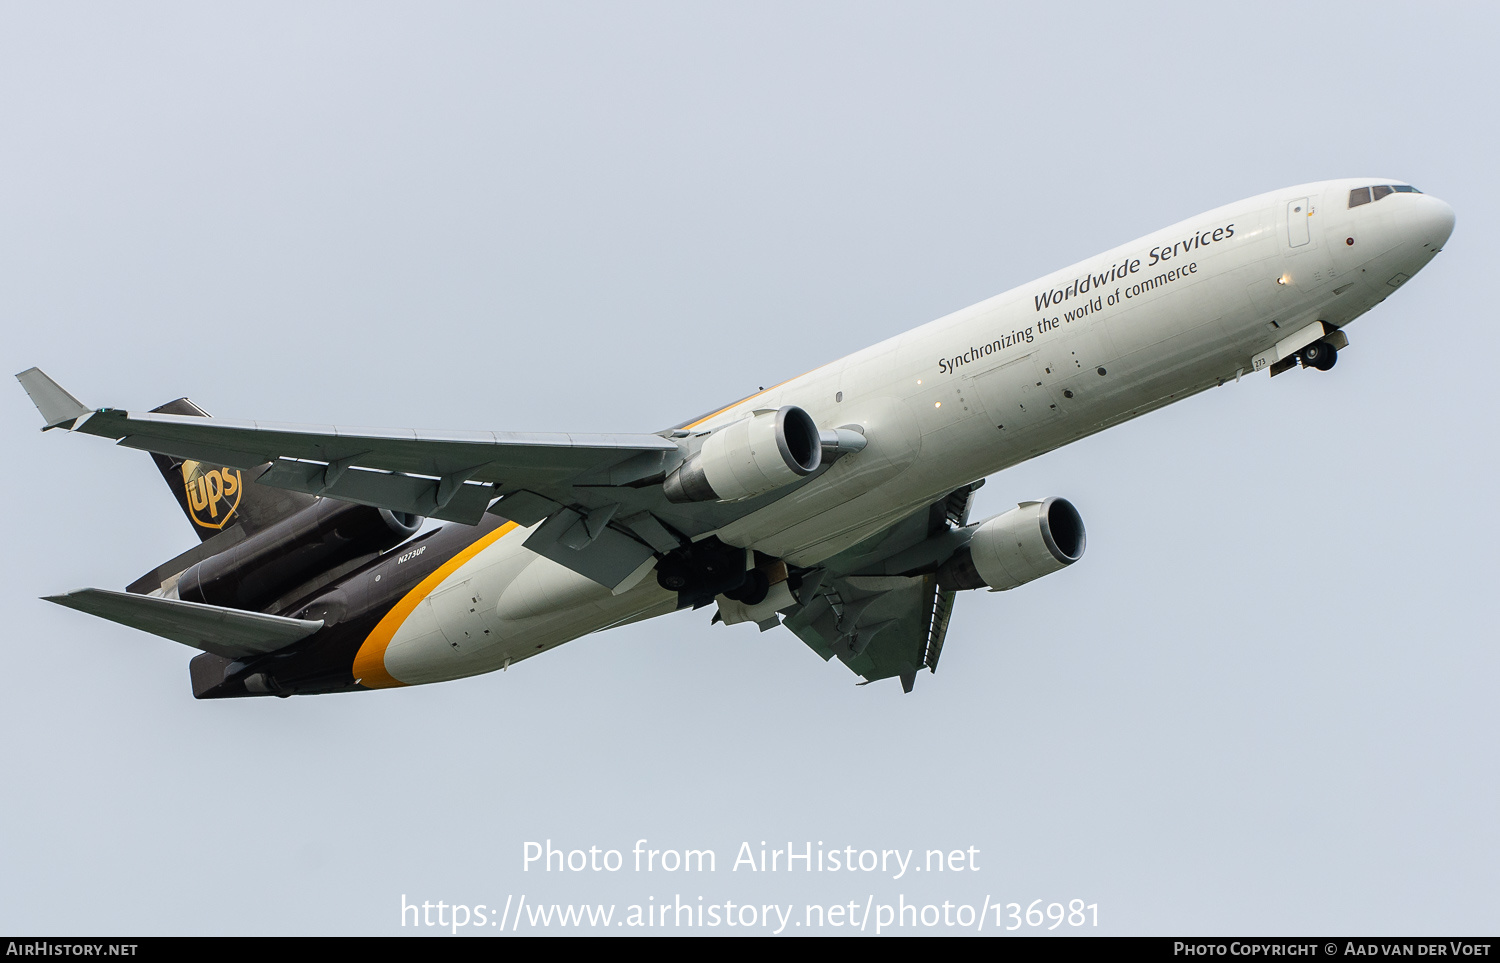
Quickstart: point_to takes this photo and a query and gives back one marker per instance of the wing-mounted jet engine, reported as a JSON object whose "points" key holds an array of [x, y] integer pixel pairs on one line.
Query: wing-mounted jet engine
{"points": [[882, 607], [766, 451], [1029, 541]]}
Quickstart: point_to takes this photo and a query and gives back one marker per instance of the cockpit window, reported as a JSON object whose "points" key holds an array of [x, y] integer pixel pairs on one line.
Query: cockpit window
{"points": [[1367, 195]]}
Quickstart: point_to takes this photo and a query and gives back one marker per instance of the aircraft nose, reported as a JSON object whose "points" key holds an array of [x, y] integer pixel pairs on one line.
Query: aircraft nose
{"points": [[1431, 221]]}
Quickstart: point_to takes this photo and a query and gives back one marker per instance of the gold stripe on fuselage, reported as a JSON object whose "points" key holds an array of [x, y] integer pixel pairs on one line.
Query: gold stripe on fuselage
{"points": [[369, 661], [694, 424]]}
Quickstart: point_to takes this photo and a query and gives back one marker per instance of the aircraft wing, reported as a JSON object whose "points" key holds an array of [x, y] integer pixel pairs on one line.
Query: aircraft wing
{"points": [[879, 627], [599, 494], [598, 497], [449, 475], [423, 472], [878, 606]]}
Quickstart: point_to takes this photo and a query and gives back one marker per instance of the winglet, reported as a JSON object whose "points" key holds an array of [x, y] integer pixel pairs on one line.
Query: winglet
{"points": [[59, 409]]}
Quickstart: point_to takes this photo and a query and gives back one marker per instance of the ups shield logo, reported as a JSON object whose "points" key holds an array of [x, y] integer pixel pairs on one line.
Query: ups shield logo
{"points": [[213, 494]]}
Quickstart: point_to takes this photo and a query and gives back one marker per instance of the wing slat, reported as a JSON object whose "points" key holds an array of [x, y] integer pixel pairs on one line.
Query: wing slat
{"points": [[524, 455]]}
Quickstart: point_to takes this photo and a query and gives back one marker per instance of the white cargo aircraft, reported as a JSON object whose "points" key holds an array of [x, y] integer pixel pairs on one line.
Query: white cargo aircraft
{"points": [[835, 504]]}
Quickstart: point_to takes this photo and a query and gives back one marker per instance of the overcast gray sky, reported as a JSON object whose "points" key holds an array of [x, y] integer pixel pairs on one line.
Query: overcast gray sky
{"points": [[1263, 703]]}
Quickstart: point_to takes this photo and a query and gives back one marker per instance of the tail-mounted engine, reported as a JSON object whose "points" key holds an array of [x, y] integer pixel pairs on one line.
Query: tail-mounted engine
{"points": [[255, 572]]}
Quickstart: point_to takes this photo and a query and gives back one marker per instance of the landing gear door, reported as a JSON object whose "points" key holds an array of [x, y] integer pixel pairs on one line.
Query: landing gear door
{"points": [[1298, 229]]}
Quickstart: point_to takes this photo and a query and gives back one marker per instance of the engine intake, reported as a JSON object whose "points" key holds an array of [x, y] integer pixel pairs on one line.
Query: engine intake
{"points": [[1025, 543], [749, 457]]}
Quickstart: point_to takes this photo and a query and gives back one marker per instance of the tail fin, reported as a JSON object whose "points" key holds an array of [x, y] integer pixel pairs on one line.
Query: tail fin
{"points": [[216, 498]]}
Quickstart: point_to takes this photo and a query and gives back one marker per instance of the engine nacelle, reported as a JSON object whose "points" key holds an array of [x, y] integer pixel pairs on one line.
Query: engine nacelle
{"points": [[293, 551], [1025, 543], [750, 457]]}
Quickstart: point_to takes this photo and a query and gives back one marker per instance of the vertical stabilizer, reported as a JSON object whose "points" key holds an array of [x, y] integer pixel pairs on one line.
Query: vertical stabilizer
{"points": [[216, 498]]}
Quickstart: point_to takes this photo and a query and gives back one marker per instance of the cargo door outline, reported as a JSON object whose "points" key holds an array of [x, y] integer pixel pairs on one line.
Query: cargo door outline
{"points": [[1071, 363], [1298, 230], [455, 607], [1013, 395]]}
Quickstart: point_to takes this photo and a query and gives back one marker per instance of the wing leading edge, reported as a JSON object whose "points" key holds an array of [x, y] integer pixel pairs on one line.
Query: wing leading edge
{"points": [[449, 475], [598, 497]]}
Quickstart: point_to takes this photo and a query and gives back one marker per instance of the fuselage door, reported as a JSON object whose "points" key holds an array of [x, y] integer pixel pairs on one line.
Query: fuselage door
{"points": [[1014, 395], [456, 608], [1298, 231]]}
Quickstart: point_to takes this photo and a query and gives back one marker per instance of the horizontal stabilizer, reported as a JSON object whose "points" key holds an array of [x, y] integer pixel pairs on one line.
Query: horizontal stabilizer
{"points": [[231, 633], [59, 409]]}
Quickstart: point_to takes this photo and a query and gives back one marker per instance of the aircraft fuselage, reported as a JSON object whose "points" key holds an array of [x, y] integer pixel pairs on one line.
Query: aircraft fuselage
{"points": [[1206, 301]]}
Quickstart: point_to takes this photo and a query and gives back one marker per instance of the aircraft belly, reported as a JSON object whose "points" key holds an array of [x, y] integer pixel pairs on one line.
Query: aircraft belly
{"points": [[872, 478], [446, 632], [815, 539], [460, 630]]}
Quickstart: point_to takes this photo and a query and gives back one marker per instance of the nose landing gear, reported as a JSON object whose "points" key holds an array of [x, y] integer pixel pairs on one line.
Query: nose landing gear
{"points": [[1320, 355], [1315, 346]]}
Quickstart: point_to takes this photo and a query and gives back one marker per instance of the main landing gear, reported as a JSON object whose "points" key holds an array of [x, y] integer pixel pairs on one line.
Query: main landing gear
{"points": [[1320, 355], [706, 568]]}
